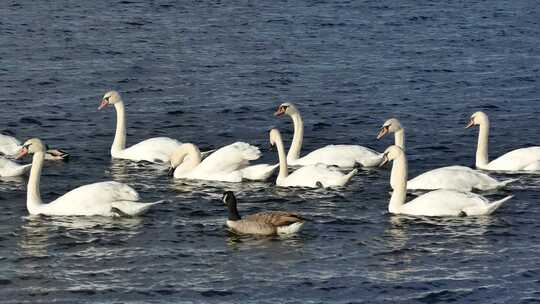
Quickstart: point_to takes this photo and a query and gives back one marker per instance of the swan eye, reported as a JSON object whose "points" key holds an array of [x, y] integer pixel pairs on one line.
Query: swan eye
{"points": [[107, 98], [27, 146]]}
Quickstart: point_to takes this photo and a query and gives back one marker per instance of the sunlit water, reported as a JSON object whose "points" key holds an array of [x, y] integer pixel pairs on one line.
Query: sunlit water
{"points": [[213, 73]]}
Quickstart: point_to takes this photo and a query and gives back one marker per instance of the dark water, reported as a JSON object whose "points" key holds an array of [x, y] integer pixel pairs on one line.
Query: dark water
{"points": [[213, 73]]}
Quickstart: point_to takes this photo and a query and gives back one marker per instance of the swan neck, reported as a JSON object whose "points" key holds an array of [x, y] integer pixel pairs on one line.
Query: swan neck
{"points": [[482, 157], [298, 137], [399, 139], [399, 177], [33, 196], [119, 142], [283, 172]]}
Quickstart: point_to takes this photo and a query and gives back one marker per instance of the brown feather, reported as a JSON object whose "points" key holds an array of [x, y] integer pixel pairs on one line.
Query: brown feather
{"points": [[275, 218]]}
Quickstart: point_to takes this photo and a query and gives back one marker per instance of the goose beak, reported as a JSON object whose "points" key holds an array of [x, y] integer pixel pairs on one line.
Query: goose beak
{"points": [[384, 161], [470, 124], [22, 153], [382, 132], [103, 104], [280, 111]]}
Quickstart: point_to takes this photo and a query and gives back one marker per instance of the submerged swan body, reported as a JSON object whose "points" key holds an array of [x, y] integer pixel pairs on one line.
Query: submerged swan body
{"points": [[459, 178], [435, 203], [343, 156], [104, 198], [312, 176], [262, 223], [227, 164], [524, 159], [156, 150]]}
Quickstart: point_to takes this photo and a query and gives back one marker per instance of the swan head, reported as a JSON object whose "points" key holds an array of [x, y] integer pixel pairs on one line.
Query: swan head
{"points": [[275, 137], [110, 98], [478, 118], [390, 154], [286, 108], [31, 146], [390, 126]]}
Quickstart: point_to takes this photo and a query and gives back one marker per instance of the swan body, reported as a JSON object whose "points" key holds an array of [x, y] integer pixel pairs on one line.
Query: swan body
{"points": [[10, 146], [435, 203], [262, 223], [227, 164], [458, 178], [343, 156], [10, 168], [156, 150], [311, 176], [524, 159], [103, 198]]}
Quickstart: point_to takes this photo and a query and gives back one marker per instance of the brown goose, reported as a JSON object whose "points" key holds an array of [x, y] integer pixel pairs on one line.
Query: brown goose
{"points": [[262, 223]]}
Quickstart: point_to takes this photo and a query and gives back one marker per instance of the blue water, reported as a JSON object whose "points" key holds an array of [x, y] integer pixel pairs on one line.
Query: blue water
{"points": [[213, 72]]}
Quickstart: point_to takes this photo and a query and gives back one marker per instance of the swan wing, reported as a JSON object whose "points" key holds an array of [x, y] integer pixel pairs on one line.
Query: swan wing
{"points": [[447, 203], [516, 160], [344, 156], [458, 178], [229, 158], [9, 145], [92, 199], [156, 150]]}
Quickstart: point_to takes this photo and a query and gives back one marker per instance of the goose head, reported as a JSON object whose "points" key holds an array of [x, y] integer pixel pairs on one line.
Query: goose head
{"points": [[286, 108], [478, 118], [390, 154], [390, 126], [31, 146], [110, 98]]}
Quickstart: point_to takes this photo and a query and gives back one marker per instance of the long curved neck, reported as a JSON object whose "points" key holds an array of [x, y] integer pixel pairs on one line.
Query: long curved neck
{"points": [[298, 137], [187, 157], [119, 142], [283, 171], [399, 139], [482, 158], [399, 177], [33, 195]]}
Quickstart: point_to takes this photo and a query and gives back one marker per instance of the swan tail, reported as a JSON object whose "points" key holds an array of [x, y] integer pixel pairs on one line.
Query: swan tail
{"points": [[495, 205], [348, 176], [506, 182], [129, 208], [290, 229]]}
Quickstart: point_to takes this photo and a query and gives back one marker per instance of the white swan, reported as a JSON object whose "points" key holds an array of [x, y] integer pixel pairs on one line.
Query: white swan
{"points": [[459, 178], [312, 176], [434, 203], [156, 150], [10, 146], [105, 198], [10, 168], [524, 159], [343, 156], [227, 164]]}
